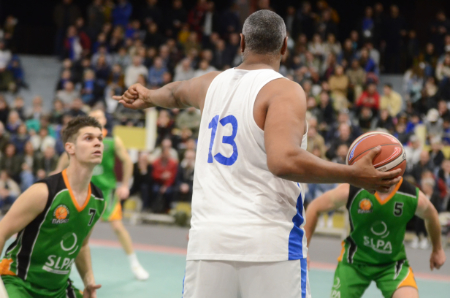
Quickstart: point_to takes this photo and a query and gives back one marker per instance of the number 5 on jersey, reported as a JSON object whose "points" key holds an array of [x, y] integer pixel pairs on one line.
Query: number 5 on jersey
{"points": [[230, 119]]}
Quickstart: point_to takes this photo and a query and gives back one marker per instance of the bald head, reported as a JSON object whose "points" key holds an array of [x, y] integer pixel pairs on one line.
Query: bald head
{"points": [[264, 33]]}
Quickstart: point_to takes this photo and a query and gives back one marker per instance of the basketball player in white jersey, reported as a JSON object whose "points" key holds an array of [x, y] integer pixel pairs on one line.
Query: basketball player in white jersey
{"points": [[247, 238]]}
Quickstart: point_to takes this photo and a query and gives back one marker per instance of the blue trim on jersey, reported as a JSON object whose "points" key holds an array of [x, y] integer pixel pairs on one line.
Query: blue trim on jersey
{"points": [[304, 272], [296, 234]]}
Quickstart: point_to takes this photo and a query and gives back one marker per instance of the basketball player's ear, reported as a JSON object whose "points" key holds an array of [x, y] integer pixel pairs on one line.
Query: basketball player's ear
{"points": [[70, 148], [284, 46], [242, 43]]}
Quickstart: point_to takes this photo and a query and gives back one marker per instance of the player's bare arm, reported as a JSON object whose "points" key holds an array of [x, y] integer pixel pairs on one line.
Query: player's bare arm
{"points": [[84, 267], [121, 152], [429, 214], [280, 110], [329, 201], [182, 94], [24, 210]]}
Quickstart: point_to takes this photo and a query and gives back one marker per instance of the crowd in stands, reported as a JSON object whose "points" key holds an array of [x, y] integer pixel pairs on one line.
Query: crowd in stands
{"points": [[113, 45]]}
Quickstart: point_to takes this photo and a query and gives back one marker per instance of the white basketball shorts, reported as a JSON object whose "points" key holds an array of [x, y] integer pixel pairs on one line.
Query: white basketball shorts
{"points": [[228, 279]]}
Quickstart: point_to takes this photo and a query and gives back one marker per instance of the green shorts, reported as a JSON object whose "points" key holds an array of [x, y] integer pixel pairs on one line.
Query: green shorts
{"points": [[18, 288], [351, 280]]}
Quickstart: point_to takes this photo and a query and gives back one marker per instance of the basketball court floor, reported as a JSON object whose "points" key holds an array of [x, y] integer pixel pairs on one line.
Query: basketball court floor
{"points": [[161, 250]]}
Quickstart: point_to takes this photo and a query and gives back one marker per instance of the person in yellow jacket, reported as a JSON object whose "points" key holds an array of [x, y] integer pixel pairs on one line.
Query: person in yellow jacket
{"points": [[391, 101]]}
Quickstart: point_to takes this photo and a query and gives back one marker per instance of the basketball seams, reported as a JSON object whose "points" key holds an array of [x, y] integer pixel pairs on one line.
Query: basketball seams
{"points": [[372, 148]]}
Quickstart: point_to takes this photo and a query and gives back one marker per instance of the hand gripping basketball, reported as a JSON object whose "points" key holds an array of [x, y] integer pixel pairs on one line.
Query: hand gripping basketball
{"points": [[368, 177]]}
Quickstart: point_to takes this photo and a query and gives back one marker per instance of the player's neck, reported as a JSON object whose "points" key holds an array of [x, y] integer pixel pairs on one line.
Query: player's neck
{"points": [[79, 177], [255, 61]]}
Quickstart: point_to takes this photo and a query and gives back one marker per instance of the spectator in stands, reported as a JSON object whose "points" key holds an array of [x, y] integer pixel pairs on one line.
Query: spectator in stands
{"points": [[434, 123], [9, 190], [42, 140], [102, 52], [68, 94], [57, 112], [189, 118], [315, 140], [155, 74], [316, 47], [48, 160], [19, 106], [394, 31], [369, 98], [436, 154], [220, 58], [6, 77], [164, 174], [16, 70], [184, 70], [36, 111], [444, 173], [165, 144], [95, 18], [121, 13], [339, 85], [414, 79], [153, 36], [348, 53], [89, 88], [385, 121], [29, 156], [326, 109], [4, 138], [20, 138], [439, 28], [13, 122], [64, 15], [76, 108], [344, 138], [204, 68], [185, 177], [423, 165], [391, 101], [413, 151], [11, 161], [357, 78], [122, 58], [75, 45], [175, 18], [66, 76], [443, 71], [367, 62], [142, 180], [134, 70]]}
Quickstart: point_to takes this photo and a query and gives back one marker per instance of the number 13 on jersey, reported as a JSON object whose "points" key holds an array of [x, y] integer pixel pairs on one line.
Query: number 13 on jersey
{"points": [[230, 119]]}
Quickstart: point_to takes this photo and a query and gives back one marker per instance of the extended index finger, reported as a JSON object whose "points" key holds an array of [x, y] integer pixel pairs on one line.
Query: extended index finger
{"points": [[118, 98]]}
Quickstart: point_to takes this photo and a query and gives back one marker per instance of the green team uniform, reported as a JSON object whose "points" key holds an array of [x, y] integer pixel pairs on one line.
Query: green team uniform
{"points": [[38, 263], [104, 178], [374, 250]]}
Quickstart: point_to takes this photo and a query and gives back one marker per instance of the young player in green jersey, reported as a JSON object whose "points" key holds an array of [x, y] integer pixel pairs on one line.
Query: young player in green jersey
{"points": [[105, 179], [54, 219], [374, 250]]}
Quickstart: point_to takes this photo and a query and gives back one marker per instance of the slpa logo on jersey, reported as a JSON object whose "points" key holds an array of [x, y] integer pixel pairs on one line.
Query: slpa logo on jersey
{"points": [[379, 243], [365, 206], [60, 215]]}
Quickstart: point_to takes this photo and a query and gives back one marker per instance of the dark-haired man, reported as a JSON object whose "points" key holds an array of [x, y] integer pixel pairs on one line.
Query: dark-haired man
{"points": [[247, 238], [54, 219], [104, 178]]}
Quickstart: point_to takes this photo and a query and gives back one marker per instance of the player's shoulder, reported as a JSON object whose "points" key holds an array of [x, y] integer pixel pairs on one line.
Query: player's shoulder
{"points": [[407, 188], [282, 89], [53, 183]]}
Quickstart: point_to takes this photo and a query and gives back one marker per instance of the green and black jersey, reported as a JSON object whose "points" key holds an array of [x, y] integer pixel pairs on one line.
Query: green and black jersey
{"points": [[45, 249], [378, 227]]}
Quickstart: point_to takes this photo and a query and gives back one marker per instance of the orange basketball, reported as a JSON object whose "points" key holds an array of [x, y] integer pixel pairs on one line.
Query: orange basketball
{"points": [[391, 157], [61, 212]]}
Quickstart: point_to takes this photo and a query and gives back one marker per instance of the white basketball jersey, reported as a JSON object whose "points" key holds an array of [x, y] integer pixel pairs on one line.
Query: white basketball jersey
{"points": [[240, 210]]}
